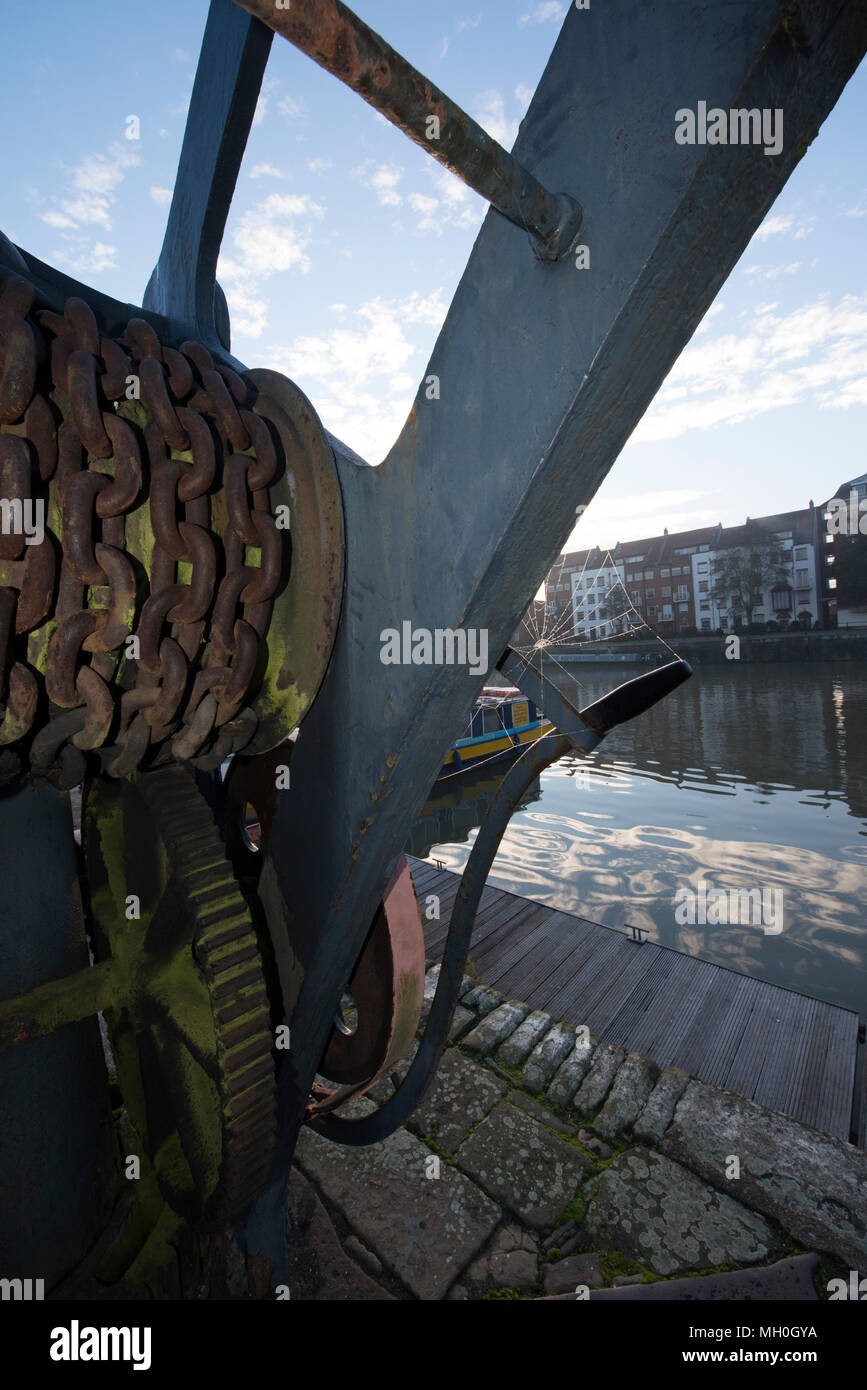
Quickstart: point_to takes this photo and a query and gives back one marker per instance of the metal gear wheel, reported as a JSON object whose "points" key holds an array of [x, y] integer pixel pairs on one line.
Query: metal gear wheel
{"points": [[189, 1022]]}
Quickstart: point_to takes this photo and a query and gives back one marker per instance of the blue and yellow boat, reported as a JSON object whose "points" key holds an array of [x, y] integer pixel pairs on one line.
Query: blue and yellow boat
{"points": [[502, 722]]}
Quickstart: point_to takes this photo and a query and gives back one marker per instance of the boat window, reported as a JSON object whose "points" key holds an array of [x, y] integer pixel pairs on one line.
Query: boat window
{"points": [[493, 721]]}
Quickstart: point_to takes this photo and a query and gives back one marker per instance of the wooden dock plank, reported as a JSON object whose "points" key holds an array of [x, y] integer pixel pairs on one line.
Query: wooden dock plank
{"points": [[699, 987], [786, 1050], [529, 936], [652, 1028], [698, 1041], [805, 1100], [783, 1061], [435, 932], [601, 974], [833, 1101], [726, 1041], [559, 984], [526, 979], [623, 1028]]}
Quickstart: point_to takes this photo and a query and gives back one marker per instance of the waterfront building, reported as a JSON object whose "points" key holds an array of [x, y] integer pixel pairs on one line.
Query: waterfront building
{"points": [[676, 582], [786, 550], [844, 597], [584, 598]]}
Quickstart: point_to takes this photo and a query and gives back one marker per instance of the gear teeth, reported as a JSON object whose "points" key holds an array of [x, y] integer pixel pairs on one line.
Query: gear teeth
{"points": [[227, 954]]}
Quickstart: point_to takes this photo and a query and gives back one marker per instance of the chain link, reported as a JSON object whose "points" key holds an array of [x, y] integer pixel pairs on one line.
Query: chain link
{"points": [[157, 526]]}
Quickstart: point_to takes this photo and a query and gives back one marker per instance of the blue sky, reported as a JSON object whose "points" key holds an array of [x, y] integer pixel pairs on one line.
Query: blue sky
{"points": [[346, 243]]}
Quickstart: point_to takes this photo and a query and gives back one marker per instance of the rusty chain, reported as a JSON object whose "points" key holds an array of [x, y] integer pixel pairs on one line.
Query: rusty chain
{"points": [[156, 527]]}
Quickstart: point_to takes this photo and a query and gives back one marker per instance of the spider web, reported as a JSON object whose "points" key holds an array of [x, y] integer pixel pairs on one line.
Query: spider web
{"points": [[540, 630]]}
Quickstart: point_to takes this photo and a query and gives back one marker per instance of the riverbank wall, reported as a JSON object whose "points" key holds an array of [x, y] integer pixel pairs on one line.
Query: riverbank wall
{"points": [[834, 646]]}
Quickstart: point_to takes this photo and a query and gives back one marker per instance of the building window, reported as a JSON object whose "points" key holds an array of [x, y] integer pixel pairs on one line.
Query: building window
{"points": [[705, 624], [650, 593], [635, 598], [666, 591], [683, 607], [665, 574], [648, 574], [703, 586], [682, 592], [678, 570], [705, 608]]}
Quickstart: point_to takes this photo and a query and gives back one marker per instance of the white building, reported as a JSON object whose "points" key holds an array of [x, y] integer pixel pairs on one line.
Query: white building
{"points": [[796, 595]]}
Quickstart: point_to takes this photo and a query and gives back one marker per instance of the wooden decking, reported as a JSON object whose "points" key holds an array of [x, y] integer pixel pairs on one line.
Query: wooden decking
{"points": [[787, 1051]]}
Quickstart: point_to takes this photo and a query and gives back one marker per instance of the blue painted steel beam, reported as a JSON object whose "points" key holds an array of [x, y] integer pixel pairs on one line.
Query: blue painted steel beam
{"points": [[231, 66]]}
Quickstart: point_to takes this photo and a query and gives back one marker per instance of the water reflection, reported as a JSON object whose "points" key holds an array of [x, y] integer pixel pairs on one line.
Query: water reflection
{"points": [[458, 805], [745, 777]]}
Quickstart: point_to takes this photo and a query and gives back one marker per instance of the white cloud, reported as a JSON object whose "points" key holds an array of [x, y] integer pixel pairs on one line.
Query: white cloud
{"points": [[318, 166], [261, 109], [384, 181], [270, 171], [815, 354], [291, 107], [711, 314], [161, 196], [524, 95], [610, 519], [98, 257], [773, 226], [445, 47], [779, 224], [426, 207], [453, 205], [468, 24], [249, 312], [270, 237], [180, 56], [58, 219], [545, 12], [92, 185], [490, 112], [361, 374], [773, 272]]}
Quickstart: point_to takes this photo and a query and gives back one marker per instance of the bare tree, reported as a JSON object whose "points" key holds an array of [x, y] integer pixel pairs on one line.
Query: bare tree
{"points": [[616, 604], [747, 570]]}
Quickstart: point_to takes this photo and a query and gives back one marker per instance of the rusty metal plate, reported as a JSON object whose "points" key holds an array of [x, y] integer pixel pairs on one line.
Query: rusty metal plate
{"points": [[307, 610]]}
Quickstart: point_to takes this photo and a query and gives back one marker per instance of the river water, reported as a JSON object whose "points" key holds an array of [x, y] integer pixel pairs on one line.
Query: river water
{"points": [[747, 777]]}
